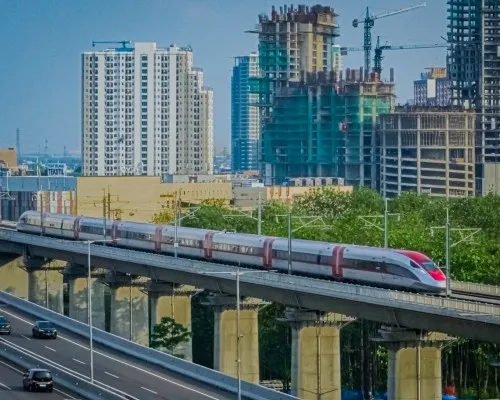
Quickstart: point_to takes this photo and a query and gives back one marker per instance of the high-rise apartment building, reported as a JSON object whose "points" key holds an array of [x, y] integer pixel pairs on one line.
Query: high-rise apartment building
{"points": [[245, 122], [433, 88], [474, 69], [145, 111]]}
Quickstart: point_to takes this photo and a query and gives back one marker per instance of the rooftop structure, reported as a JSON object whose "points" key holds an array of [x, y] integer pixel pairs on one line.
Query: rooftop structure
{"points": [[433, 88]]}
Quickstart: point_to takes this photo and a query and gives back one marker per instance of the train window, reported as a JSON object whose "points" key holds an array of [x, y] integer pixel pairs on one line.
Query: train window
{"points": [[399, 271], [414, 264]]}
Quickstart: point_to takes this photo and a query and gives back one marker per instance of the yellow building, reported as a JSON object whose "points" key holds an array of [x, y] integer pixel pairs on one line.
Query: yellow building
{"points": [[8, 158], [247, 197], [138, 198]]}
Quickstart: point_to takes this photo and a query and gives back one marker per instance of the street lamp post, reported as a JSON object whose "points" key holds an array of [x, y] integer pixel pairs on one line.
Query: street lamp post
{"points": [[237, 274], [89, 306]]}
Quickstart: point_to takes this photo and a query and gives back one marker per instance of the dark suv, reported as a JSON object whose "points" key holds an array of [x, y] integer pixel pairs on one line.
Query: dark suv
{"points": [[44, 329], [38, 379], [4, 325]]}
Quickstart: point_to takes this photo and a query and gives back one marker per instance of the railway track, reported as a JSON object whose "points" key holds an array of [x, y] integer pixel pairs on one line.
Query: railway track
{"points": [[474, 296]]}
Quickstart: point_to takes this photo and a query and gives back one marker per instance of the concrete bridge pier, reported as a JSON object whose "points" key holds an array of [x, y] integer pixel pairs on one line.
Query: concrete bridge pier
{"points": [[129, 307], [13, 275], [225, 336], [414, 363], [172, 300], [45, 282], [315, 353], [77, 279]]}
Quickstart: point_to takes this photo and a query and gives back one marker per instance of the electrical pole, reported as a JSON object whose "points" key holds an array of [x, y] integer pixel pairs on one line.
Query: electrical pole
{"points": [[289, 241], [466, 235], [259, 215], [368, 220], [104, 213], [176, 223], [41, 211], [306, 221], [447, 250], [386, 224]]}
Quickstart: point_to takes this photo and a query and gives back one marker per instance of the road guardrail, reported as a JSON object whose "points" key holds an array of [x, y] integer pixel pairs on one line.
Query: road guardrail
{"points": [[143, 353]]}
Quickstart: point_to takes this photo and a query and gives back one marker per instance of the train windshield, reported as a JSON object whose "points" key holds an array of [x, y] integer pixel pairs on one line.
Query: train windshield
{"points": [[429, 266], [433, 270]]}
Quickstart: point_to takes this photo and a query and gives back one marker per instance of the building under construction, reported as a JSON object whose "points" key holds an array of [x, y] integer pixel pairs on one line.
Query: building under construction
{"points": [[326, 127], [314, 122], [427, 150], [474, 69], [293, 41]]}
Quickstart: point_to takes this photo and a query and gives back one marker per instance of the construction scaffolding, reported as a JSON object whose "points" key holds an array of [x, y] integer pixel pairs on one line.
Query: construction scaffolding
{"points": [[323, 127]]}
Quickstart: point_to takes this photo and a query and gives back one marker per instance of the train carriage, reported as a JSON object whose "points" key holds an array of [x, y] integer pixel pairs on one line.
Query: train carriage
{"points": [[392, 268]]}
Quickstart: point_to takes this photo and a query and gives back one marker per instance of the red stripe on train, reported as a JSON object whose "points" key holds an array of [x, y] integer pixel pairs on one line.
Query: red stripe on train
{"points": [[337, 262]]}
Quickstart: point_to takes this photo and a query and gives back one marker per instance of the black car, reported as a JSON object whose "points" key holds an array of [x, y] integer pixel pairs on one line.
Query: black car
{"points": [[4, 325], [44, 329], [38, 379]]}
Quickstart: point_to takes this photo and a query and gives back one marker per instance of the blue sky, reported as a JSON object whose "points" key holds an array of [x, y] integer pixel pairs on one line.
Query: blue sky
{"points": [[43, 39]]}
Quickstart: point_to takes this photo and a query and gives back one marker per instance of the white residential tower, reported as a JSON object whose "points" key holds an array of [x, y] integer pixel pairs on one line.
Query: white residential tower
{"points": [[145, 111]]}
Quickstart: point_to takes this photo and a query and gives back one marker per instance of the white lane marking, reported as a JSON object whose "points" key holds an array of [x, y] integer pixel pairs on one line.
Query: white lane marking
{"points": [[50, 348], [26, 337], [66, 395], [11, 367], [114, 376], [123, 362], [78, 361], [63, 368], [149, 390], [5, 386]]}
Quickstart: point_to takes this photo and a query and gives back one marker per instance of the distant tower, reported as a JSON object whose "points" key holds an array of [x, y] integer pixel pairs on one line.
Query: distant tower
{"points": [[46, 148], [65, 153], [18, 145]]}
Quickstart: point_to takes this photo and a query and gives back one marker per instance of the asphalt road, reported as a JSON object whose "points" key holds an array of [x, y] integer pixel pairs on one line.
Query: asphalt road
{"points": [[138, 380], [11, 385]]}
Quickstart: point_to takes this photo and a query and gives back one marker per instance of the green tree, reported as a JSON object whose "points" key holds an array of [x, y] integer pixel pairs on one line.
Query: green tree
{"points": [[168, 334], [164, 216]]}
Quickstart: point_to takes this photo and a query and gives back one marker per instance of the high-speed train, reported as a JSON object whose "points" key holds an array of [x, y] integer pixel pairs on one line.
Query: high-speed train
{"points": [[399, 269]]}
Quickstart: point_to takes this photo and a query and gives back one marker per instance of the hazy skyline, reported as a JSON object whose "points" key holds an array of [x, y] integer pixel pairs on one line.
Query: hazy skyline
{"points": [[43, 42]]}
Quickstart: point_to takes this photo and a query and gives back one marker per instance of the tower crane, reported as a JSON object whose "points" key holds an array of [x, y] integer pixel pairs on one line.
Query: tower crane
{"points": [[379, 49], [123, 42], [377, 60], [369, 22]]}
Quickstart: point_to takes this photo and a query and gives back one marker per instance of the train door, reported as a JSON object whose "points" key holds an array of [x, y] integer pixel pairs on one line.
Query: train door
{"points": [[388, 276]]}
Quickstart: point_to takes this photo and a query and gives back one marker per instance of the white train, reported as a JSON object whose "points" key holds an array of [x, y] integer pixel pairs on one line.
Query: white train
{"points": [[399, 269]]}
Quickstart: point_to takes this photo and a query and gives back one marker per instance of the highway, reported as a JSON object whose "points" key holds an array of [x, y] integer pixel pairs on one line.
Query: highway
{"points": [[119, 373], [11, 385]]}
